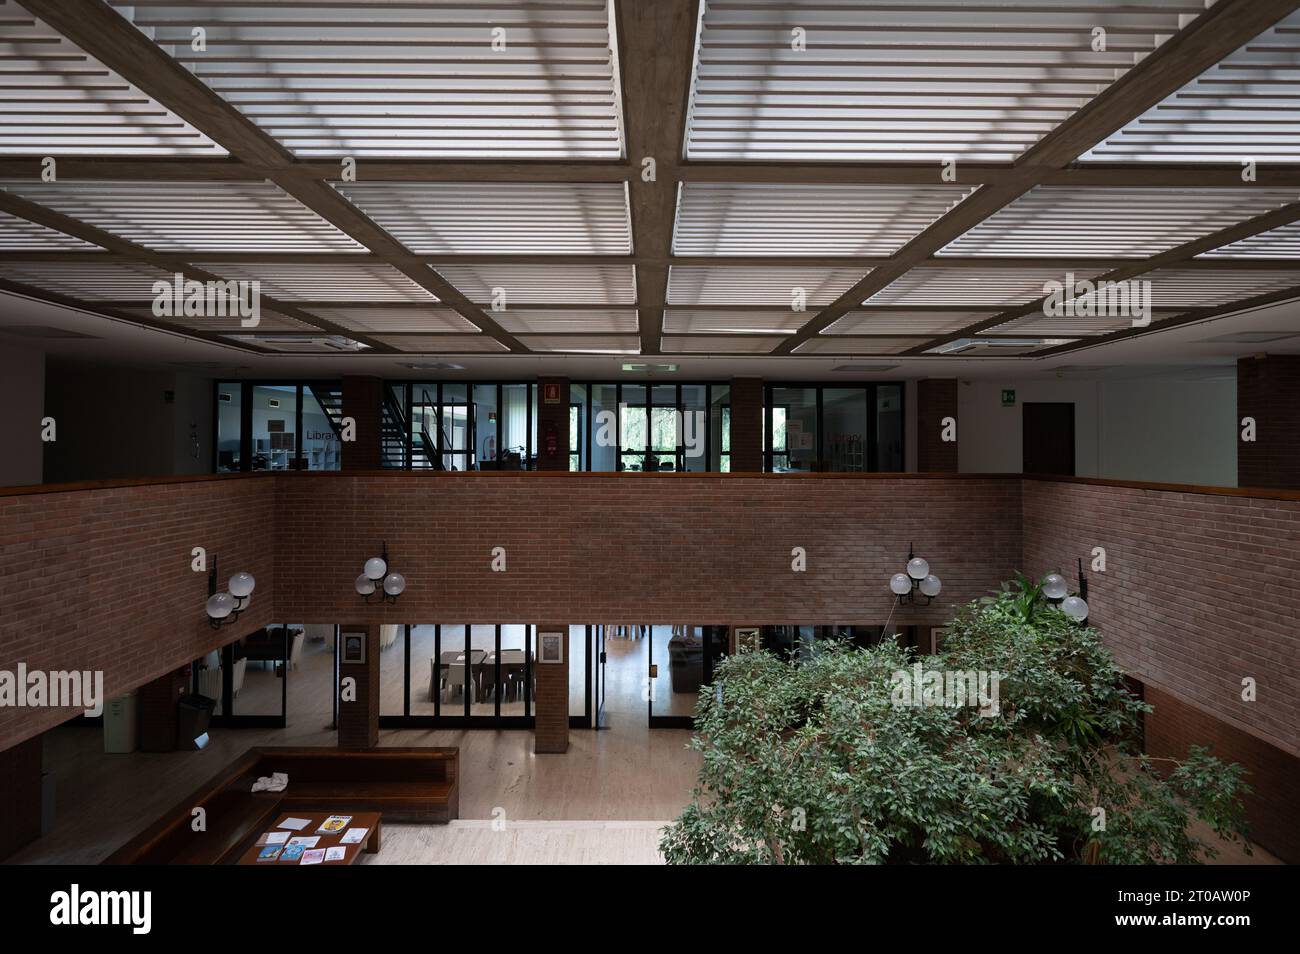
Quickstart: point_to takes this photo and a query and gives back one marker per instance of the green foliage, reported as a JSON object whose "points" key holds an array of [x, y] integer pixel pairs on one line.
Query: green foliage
{"points": [[811, 762]]}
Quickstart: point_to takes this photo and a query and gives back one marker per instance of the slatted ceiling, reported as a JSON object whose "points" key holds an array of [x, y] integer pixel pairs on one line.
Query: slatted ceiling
{"points": [[269, 322], [1244, 107], [764, 219], [720, 344], [547, 321], [757, 321], [443, 344], [583, 344], [91, 281], [886, 80], [752, 285], [544, 284], [191, 216], [19, 235], [329, 283], [1281, 242], [865, 345], [318, 343], [1000, 287], [1199, 288], [56, 101], [1074, 327], [993, 347], [499, 217], [412, 79], [904, 322], [371, 320], [1061, 221]]}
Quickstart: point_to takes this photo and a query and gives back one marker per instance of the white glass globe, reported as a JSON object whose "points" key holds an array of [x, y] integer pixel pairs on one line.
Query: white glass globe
{"points": [[900, 584], [394, 584], [917, 568], [1075, 608], [376, 568], [220, 605], [931, 585], [1054, 586], [241, 585], [365, 585]]}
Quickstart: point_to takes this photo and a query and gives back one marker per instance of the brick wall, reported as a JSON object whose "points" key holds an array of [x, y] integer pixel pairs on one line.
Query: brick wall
{"points": [[1273, 775], [746, 425], [553, 416], [1201, 590], [551, 705], [20, 795], [363, 399], [936, 398], [359, 719], [100, 579], [1268, 389]]}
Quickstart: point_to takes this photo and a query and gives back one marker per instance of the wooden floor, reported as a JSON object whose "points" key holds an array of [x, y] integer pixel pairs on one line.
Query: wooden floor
{"points": [[521, 843]]}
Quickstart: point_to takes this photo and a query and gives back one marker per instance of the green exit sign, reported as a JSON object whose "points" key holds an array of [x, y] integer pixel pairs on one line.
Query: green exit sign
{"points": [[1008, 397]]}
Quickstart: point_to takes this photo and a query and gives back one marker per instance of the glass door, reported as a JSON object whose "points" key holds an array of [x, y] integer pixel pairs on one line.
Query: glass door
{"points": [[682, 660], [600, 678]]}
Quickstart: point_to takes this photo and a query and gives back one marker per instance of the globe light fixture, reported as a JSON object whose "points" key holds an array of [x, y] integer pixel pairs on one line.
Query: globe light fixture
{"points": [[917, 578], [376, 578], [224, 608], [1056, 590]]}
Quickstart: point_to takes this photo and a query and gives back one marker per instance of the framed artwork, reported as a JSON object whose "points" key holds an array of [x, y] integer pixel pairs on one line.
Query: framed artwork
{"points": [[551, 647], [354, 649], [550, 394], [748, 639]]}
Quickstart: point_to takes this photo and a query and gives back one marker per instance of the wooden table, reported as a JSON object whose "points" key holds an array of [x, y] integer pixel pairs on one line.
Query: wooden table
{"points": [[369, 844]]}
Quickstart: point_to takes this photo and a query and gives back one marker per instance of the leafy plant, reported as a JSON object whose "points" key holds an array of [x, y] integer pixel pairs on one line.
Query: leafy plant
{"points": [[813, 762]]}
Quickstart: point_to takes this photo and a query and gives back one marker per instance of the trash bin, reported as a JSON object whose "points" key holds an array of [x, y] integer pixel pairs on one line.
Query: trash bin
{"points": [[120, 724], [193, 713]]}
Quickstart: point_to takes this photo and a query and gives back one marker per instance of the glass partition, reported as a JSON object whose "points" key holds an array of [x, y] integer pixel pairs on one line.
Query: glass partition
{"points": [[229, 427]]}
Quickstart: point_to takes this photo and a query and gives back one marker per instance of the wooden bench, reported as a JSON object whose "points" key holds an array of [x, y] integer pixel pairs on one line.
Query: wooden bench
{"points": [[412, 784]]}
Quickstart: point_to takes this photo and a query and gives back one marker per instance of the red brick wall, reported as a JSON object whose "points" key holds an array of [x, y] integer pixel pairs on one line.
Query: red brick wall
{"points": [[746, 425], [100, 579], [359, 719], [1268, 389], [1200, 591], [551, 734], [553, 416], [936, 398], [363, 401], [1273, 775]]}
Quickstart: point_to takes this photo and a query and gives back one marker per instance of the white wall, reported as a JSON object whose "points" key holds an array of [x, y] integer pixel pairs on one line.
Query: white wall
{"points": [[22, 405], [989, 435]]}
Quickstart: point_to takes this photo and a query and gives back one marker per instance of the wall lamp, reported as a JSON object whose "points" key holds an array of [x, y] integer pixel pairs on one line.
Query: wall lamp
{"points": [[1055, 589], [376, 570], [224, 608], [917, 578]]}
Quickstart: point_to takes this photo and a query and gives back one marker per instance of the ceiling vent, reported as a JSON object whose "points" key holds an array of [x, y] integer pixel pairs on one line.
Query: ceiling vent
{"points": [[435, 366], [864, 368]]}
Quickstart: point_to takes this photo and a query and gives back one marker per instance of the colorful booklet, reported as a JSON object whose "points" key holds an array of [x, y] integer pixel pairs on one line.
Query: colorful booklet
{"points": [[273, 838], [336, 853], [334, 824], [313, 856], [292, 852], [269, 853], [307, 841], [353, 836]]}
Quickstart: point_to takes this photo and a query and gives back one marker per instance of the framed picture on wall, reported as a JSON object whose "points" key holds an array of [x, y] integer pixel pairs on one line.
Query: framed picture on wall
{"points": [[748, 639], [354, 649], [551, 646]]}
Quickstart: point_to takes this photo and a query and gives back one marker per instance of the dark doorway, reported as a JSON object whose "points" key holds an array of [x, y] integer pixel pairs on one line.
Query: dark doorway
{"points": [[1048, 439]]}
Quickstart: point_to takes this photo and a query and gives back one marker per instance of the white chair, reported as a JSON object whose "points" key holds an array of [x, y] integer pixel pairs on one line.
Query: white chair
{"points": [[387, 635], [455, 677], [319, 631], [237, 676], [210, 682], [295, 649]]}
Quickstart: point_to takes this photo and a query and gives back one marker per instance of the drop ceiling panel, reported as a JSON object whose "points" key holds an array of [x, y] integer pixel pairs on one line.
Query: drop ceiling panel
{"points": [[999, 287], [1063, 326], [371, 320], [1100, 222], [867, 345], [762, 219], [319, 343], [583, 344], [19, 235], [1202, 288], [1244, 107], [720, 344], [991, 347], [497, 217], [1281, 242], [585, 321], [412, 79], [90, 281], [882, 80], [191, 216], [443, 344], [904, 322], [543, 284], [757, 321], [342, 283], [750, 285], [268, 322], [57, 101]]}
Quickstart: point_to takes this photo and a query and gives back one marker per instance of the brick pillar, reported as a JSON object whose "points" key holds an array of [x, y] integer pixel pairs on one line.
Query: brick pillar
{"points": [[551, 705], [746, 425], [1268, 389], [936, 398], [156, 712], [359, 719], [20, 796], [363, 401], [553, 421]]}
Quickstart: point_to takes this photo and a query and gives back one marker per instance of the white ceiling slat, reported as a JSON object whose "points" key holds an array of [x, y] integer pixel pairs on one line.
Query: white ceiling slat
{"points": [[1281, 243], [1247, 106], [57, 101], [372, 320], [993, 347], [443, 344], [548, 321], [19, 235], [1202, 288], [1104, 222], [342, 283], [758, 321], [904, 322], [995, 287], [720, 344], [751, 285], [583, 344], [880, 80], [857, 346], [495, 217], [268, 322], [191, 216], [89, 281], [543, 284], [751, 219], [324, 78]]}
